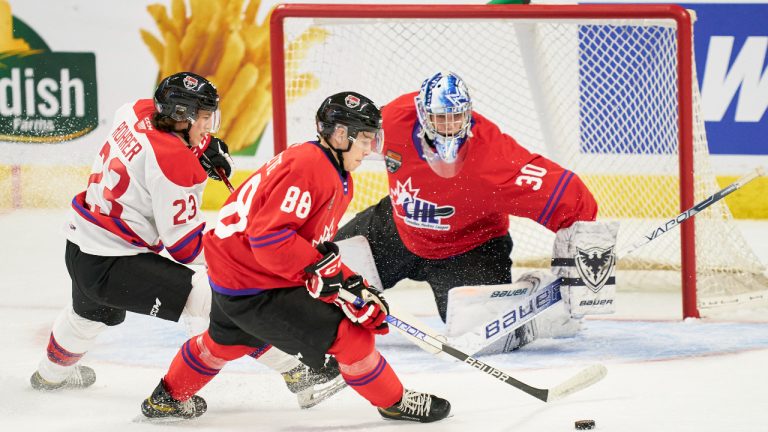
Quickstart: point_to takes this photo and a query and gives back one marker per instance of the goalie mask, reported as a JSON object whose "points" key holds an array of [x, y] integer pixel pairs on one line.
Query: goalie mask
{"points": [[444, 108], [180, 97]]}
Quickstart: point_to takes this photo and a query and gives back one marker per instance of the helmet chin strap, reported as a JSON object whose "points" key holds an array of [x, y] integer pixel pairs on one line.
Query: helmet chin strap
{"points": [[340, 154]]}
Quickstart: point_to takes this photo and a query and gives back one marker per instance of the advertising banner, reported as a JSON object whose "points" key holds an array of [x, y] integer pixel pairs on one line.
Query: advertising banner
{"points": [[731, 42]]}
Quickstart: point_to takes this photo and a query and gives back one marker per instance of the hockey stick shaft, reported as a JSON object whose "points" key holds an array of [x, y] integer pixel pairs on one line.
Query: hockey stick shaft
{"points": [[520, 314], [581, 380], [689, 213], [220, 172]]}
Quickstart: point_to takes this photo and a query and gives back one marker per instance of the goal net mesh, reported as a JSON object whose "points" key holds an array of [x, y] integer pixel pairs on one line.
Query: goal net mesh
{"points": [[599, 97]]}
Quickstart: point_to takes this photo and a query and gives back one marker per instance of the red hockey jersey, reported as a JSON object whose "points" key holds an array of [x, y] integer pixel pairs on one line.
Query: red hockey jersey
{"points": [[143, 194], [440, 217], [269, 227]]}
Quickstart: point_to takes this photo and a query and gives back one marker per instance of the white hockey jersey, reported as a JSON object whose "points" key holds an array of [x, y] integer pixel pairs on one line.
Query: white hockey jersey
{"points": [[143, 194]]}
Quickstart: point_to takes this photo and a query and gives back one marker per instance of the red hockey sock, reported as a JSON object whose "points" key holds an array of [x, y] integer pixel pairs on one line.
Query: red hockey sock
{"points": [[198, 361], [363, 367], [57, 354]]}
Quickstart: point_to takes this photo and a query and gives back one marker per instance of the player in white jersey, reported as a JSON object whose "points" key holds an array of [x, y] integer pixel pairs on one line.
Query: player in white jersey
{"points": [[143, 196]]}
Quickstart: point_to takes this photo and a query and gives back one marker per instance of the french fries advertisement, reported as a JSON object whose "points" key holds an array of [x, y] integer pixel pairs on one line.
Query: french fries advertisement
{"points": [[9, 44], [222, 41]]}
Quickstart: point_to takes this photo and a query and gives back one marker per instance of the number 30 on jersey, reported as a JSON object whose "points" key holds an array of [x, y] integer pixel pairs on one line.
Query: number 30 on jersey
{"points": [[532, 175]]}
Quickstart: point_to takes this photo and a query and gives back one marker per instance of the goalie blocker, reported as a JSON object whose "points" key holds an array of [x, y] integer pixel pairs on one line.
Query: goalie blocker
{"points": [[584, 257]]}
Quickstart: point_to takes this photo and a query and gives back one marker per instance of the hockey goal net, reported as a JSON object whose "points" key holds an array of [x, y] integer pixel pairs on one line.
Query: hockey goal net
{"points": [[606, 91]]}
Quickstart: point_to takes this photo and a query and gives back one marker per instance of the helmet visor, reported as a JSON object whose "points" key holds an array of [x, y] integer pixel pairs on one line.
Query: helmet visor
{"points": [[211, 120], [365, 139]]}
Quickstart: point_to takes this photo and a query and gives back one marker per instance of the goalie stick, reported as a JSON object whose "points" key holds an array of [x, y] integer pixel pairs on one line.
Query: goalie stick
{"points": [[423, 336], [516, 316]]}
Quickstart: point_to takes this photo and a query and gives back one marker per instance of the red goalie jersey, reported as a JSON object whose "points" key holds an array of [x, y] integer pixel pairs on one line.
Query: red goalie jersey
{"points": [[440, 217], [143, 193], [269, 227]]}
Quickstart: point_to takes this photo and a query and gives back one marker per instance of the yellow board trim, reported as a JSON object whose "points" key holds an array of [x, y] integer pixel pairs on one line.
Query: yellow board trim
{"points": [[54, 187]]}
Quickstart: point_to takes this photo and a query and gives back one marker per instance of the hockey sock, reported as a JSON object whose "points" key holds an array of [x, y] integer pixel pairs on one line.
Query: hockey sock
{"points": [[275, 359], [71, 337], [195, 314], [198, 361], [364, 368]]}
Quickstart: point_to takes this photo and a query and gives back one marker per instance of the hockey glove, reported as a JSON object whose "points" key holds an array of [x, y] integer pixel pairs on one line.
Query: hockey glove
{"points": [[372, 315], [325, 276], [216, 155]]}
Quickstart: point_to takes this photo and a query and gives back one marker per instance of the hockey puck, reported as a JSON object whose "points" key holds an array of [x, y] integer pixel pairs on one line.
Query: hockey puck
{"points": [[584, 424]]}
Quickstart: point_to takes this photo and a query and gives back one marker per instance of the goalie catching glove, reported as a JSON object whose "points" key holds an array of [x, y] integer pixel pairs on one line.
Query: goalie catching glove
{"points": [[373, 313]]}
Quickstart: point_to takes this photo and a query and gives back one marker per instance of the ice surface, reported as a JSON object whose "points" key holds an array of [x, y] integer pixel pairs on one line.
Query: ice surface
{"points": [[663, 374]]}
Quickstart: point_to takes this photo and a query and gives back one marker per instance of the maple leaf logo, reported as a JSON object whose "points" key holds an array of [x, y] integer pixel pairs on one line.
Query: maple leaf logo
{"points": [[327, 235], [403, 192]]}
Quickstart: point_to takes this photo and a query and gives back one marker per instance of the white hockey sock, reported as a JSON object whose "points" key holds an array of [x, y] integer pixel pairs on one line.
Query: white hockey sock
{"points": [[71, 337], [278, 360], [197, 310]]}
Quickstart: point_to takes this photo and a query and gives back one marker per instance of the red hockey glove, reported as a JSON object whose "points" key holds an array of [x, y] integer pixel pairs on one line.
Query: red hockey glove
{"points": [[325, 276], [373, 313]]}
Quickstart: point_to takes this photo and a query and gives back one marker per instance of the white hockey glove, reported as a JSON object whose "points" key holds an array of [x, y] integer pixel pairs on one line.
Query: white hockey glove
{"points": [[584, 256]]}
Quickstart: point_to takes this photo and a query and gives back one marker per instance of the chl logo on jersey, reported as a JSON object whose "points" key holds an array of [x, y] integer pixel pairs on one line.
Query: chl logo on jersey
{"points": [[594, 266], [417, 212]]}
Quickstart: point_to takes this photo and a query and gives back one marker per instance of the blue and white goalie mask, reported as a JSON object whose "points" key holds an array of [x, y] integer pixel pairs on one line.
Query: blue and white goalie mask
{"points": [[444, 108]]}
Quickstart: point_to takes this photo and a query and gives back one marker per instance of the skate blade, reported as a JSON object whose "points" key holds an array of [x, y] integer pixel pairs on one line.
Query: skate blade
{"points": [[311, 397]]}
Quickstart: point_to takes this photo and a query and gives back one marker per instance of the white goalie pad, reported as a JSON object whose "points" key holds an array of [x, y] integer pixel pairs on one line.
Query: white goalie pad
{"points": [[483, 319], [584, 256], [356, 254]]}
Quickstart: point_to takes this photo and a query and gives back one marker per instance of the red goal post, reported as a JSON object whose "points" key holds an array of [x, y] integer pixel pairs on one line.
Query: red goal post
{"points": [[300, 75]]}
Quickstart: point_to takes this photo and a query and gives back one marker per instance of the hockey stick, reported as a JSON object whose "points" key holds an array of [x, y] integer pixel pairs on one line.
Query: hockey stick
{"points": [[581, 380], [687, 214], [515, 317], [220, 172]]}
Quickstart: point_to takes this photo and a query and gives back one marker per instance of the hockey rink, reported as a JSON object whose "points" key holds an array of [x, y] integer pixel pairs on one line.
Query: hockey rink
{"points": [[663, 374]]}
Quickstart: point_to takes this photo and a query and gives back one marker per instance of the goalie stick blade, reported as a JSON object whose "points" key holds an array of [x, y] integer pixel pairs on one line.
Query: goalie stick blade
{"points": [[578, 382]]}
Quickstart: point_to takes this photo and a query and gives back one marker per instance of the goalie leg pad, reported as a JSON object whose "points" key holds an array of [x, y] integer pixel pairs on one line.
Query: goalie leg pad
{"points": [[584, 256]]}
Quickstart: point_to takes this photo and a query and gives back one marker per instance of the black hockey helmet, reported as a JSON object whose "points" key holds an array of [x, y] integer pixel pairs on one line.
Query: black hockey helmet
{"points": [[181, 95], [350, 109]]}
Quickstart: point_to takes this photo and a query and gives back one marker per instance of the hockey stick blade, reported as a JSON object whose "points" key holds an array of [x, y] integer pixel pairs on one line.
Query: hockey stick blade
{"points": [[422, 336], [578, 382]]}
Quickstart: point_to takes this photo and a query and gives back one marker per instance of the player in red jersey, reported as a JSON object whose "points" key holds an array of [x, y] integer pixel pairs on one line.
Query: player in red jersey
{"points": [[144, 195], [454, 180], [276, 276]]}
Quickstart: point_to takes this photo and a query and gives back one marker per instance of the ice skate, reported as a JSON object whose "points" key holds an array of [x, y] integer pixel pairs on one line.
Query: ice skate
{"points": [[312, 386], [81, 377], [419, 407], [161, 405]]}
